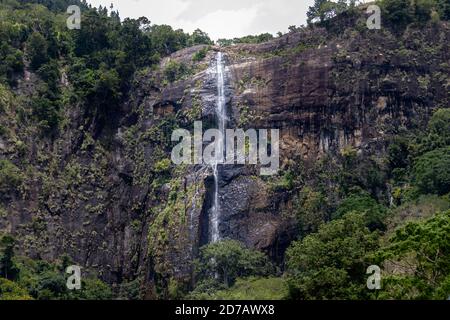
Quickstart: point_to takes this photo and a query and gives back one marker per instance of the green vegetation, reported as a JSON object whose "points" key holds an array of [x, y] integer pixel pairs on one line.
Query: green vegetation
{"points": [[409, 239], [363, 203], [10, 176], [11, 291], [312, 210], [431, 172], [329, 263], [228, 270], [228, 260], [252, 288], [420, 253], [101, 58], [351, 209], [8, 269], [264, 37], [323, 10], [401, 13], [398, 13], [175, 71], [200, 55], [25, 279]]}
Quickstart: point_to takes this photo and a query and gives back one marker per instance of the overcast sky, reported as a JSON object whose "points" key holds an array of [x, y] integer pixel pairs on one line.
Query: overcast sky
{"points": [[219, 18]]}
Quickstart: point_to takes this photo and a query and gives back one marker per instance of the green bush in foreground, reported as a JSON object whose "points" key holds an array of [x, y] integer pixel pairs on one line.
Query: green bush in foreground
{"points": [[228, 260], [331, 263], [421, 253], [12, 291]]}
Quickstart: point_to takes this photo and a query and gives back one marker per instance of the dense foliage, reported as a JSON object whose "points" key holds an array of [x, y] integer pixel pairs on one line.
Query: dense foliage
{"points": [[99, 60], [420, 252], [24, 279], [227, 260], [331, 263], [397, 13], [328, 264]]}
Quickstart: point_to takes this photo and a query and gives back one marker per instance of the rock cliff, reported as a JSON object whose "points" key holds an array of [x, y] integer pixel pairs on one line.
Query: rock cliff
{"points": [[114, 203]]}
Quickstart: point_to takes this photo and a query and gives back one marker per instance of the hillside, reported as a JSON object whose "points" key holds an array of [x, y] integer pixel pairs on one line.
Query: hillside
{"points": [[86, 177]]}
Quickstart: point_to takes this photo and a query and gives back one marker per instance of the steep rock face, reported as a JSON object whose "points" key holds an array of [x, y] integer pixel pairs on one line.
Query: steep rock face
{"points": [[118, 208], [353, 90]]}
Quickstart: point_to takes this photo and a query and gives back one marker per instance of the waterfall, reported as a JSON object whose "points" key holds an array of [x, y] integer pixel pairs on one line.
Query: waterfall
{"points": [[221, 121]]}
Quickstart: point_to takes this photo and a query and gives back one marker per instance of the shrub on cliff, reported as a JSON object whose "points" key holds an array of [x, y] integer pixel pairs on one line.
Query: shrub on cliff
{"points": [[46, 112], [438, 135], [175, 70], [432, 172], [37, 47], [11, 62], [311, 209], [8, 267], [10, 176], [200, 55]]}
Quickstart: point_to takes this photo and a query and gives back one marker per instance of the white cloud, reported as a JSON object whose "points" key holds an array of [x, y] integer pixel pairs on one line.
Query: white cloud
{"points": [[221, 19]]}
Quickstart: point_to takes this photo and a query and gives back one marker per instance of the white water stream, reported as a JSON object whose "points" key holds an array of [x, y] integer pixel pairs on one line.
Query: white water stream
{"points": [[221, 120]]}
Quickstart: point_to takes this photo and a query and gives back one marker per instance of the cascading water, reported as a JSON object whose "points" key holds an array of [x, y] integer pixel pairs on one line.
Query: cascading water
{"points": [[221, 120]]}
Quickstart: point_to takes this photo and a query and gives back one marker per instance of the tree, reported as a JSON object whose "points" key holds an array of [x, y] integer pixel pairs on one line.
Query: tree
{"points": [[37, 50], [315, 12], [165, 40], [136, 44], [398, 12], [365, 205], [92, 289], [423, 10], [331, 264], [200, 37], [432, 172], [225, 42], [49, 72], [12, 291], [323, 10], [398, 152], [312, 210], [8, 268], [45, 111], [444, 9], [252, 288], [438, 131], [93, 36], [229, 260], [10, 176], [11, 62], [421, 251]]}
